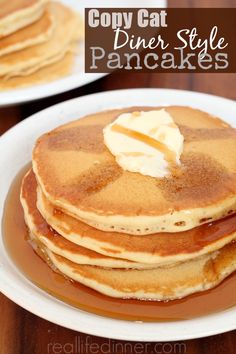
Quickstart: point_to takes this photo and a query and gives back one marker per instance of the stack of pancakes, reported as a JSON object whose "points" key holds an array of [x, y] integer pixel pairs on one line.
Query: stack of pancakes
{"points": [[129, 235], [38, 40]]}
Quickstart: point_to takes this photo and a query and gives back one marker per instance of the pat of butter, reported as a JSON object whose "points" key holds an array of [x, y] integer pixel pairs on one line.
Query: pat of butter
{"points": [[146, 142]]}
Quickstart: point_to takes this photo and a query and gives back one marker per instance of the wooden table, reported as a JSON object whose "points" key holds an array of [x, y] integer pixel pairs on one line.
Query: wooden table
{"points": [[24, 333]]}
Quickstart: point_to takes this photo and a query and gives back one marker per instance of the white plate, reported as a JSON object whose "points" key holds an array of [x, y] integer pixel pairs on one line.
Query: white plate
{"points": [[15, 152], [77, 78]]}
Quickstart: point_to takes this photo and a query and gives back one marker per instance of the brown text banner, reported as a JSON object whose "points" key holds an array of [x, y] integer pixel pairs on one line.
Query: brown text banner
{"points": [[160, 40]]}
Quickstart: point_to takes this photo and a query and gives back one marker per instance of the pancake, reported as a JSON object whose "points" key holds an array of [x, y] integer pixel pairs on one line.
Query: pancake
{"points": [[48, 73], [38, 32], [80, 177], [45, 236], [54, 59], [155, 284], [16, 14], [160, 248], [29, 60]]}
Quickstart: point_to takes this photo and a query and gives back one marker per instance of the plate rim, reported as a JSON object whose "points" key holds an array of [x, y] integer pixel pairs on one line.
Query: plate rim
{"points": [[117, 329], [48, 89]]}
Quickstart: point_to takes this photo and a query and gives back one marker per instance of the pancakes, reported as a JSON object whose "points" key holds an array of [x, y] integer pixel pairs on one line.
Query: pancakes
{"points": [[44, 43], [38, 32], [77, 204], [78, 174], [48, 73], [16, 14], [30, 59]]}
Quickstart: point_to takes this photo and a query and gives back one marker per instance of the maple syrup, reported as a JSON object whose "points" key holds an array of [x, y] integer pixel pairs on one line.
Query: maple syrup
{"points": [[34, 268]]}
